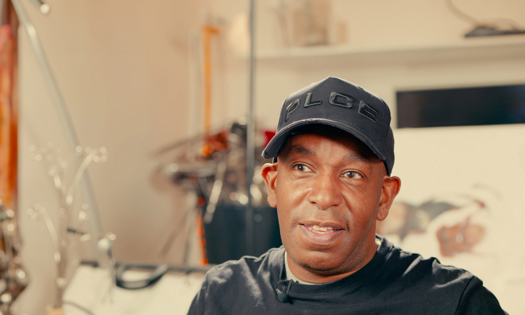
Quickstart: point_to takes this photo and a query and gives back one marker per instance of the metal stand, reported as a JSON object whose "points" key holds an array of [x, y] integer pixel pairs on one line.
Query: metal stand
{"points": [[250, 139]]}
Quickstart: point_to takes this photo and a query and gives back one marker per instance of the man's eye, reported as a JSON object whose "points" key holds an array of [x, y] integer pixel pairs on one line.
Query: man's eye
{"points": [[301, 167], [352, 174]]}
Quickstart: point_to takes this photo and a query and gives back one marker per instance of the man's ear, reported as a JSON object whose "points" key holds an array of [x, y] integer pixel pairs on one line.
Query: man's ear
{"points": [[389, 191], [269, 174]]}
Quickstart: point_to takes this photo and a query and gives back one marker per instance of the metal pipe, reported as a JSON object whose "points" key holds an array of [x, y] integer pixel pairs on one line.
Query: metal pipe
{"points": [[62, 112], [250, 137]]}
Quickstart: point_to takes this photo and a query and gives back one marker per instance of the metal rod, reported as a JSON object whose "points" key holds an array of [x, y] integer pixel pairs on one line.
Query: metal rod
{"points": [[62, 112], [250, 137], [139, 265]]}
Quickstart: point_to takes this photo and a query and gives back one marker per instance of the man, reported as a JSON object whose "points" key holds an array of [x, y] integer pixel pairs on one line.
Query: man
{"points": [[331, 181]]}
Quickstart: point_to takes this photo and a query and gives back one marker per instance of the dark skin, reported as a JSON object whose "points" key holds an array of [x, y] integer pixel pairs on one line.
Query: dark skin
{"points": [[329, 194]]}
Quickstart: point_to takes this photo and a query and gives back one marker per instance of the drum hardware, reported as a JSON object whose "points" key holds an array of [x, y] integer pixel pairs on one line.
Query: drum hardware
{"points": [[216, 180]]}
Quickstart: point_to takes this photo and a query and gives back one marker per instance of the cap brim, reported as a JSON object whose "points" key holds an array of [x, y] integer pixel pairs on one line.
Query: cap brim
{"points": [[274, 146]]}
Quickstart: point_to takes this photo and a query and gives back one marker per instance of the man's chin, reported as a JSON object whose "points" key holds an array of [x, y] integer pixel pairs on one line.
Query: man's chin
{"points": [[321, 270], [320, 263]]}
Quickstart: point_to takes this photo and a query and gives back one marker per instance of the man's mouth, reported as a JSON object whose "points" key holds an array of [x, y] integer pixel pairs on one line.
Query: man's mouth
{"points": [[321, 229], [321, 233]]}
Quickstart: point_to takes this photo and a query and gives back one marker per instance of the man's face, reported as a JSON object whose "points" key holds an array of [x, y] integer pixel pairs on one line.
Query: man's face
{"points": [[328, 198]]}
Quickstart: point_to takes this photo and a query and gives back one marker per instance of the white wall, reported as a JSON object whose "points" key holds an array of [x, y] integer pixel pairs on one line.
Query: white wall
{"points": [[390, 26], [123, 69]]}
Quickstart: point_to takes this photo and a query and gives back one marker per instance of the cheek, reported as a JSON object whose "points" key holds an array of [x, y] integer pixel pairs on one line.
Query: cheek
{"points": [[289, 204], [286, 192], [363, 206]]}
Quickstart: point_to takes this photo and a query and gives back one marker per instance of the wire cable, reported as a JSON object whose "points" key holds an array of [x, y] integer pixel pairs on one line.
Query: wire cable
{"points": [[174, 234], [478, 23], [460, 14]]}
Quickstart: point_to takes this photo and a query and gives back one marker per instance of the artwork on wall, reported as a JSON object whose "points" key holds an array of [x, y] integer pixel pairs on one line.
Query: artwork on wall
{"points": [[461, 201], [459, 233]]}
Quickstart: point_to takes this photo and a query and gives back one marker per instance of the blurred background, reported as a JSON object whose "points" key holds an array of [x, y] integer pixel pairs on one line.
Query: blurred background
{"points": [[177, 102]]}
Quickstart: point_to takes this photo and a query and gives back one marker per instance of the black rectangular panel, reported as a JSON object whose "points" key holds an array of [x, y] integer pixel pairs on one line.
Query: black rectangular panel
{"points": [[491, 105], [226, 234]]}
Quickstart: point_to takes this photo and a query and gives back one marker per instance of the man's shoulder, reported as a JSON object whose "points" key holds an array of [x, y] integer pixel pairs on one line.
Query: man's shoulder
{"points": [[414, 263], [430, 274], [455, 287], [240, 286], [413, 266], [411, 272], [247, 266]]}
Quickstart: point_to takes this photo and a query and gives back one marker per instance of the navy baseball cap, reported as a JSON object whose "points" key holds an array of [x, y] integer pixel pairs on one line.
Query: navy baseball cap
{"points": [[340, 104]]}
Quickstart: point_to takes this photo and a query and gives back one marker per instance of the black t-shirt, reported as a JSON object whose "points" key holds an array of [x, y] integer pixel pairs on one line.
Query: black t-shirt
{"points": [[393, 282]]}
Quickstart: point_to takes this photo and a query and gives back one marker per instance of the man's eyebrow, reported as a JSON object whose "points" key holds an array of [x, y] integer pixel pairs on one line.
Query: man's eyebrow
{"points": [[357, 157], [299, 149]]}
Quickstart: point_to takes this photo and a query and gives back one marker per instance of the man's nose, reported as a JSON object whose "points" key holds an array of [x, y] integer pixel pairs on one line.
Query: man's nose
{"points": [[325, 191]]}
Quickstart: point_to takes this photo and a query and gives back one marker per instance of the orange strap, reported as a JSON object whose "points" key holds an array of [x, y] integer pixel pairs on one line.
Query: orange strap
{"points": [[8, 117], [207, 33]]}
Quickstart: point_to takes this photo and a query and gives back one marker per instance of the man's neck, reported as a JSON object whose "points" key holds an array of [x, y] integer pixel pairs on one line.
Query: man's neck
{"points": [[291, 276]]}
